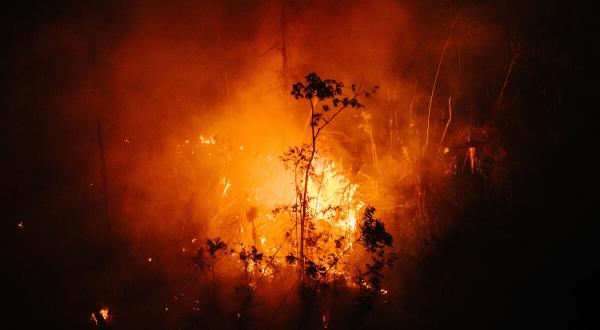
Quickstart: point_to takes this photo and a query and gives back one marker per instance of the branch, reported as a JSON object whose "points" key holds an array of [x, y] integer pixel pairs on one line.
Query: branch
{"points": [[437, 73], [270, 49], [281, 303], [506, 79], [327, 121], [449, 119], [339, 257]]}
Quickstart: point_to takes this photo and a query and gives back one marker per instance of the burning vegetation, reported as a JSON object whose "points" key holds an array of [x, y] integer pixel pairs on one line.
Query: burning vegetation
{"points": [[288, 164]]}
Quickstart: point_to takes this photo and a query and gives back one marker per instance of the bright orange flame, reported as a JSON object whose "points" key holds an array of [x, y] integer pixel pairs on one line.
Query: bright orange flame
{"points": [[331, 189], [104, 313], [94, 319], [259, 182], [472, 158]]}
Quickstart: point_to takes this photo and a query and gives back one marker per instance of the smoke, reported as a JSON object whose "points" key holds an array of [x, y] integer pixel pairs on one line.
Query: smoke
{"points": [[158, 74]]}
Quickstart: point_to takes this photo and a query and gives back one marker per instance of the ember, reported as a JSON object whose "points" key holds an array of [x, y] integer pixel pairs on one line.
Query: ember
{"points": [[102, 317]]}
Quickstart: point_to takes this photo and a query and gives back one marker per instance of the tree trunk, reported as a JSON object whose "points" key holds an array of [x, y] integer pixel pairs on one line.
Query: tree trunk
{"points": [[305, 192]]}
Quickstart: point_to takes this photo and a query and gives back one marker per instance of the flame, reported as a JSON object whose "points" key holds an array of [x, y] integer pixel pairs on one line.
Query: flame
{"points": [[262, 183], [227, 185], [94, 319], [103, 316], [104, 313], [472, 159], [205, 139], [331, 189]]}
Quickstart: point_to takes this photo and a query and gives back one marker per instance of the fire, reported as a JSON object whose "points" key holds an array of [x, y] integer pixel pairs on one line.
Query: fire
{"points": [[104, 313], [102, 317], [251, 185], [205, 139], [472, 158], [227, 184], [331, 188]]}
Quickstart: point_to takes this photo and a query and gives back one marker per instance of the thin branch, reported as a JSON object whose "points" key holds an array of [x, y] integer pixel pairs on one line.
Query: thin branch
{"points": [[277, 45], [338, 258], [327, 121], [516, 55], [281, 303], [437, 73], [449, 119]]}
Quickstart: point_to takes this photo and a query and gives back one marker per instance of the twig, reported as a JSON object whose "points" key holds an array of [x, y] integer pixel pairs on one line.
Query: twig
{"points": [[223, 209], [270, 49], [516, 55], [337, 259], [449, 119], [437, 73], [281, 303]]}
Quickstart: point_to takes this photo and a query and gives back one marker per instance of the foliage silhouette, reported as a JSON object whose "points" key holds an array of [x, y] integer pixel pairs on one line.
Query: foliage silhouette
{"points": [[333, 94]]}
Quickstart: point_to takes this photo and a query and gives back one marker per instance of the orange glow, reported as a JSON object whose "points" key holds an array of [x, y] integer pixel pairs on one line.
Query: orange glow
{"points": [[263, 183], [197, 108], [102, 317], [472, 159], [104, 313], [94, 319]]}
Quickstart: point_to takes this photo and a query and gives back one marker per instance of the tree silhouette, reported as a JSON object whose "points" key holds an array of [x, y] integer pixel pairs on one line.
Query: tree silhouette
{"points": [[335, 99], [213, 246]]}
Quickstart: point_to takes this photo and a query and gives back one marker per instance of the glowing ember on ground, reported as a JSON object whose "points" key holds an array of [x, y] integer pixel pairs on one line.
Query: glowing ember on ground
{"points": [[102, 317], [94, 319], [104, 313], [325, 320], [472, 158]]}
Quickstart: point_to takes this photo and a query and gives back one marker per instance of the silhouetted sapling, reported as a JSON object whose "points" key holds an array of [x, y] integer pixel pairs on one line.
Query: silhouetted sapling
{"points": [[331, 94]]}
